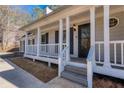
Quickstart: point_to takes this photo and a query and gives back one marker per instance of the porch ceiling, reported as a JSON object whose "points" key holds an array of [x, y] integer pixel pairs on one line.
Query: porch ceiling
{"points": [[74, 19]]}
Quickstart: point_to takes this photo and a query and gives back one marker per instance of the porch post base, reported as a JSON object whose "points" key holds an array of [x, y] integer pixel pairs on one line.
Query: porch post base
{"points": [[49, 64]]}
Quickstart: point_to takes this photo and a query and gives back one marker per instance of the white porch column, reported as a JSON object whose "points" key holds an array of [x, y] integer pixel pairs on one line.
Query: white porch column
{"points": [[68, 37], [61, 67], [92, 63], [26, 41], [106, 37], [38, 41], [92, 30], [60, 35]]}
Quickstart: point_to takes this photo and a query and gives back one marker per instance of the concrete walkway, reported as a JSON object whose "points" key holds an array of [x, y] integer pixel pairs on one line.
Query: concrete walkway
{"points": [[11, 76], [63, 83]]}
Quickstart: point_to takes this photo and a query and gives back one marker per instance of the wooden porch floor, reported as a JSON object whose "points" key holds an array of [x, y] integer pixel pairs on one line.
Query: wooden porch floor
{"points": [[45, 58]]}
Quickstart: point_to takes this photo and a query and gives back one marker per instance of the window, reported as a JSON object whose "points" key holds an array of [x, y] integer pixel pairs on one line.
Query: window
{"points": [[20, 43], [29, 42], [44, 38], [23, 42], [64, 36], [113, 22], [33, 41]]}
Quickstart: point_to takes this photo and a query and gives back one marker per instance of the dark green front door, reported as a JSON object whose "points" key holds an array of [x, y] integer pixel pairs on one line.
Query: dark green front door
{"points": [[83, 40]]}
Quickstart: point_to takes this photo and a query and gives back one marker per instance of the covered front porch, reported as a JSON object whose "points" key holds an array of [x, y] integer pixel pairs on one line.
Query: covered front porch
{"points": [[54, 40], [49, 37]]}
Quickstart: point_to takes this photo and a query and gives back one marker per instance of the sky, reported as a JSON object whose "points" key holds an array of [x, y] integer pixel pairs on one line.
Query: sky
{"points": [[29, 8]]}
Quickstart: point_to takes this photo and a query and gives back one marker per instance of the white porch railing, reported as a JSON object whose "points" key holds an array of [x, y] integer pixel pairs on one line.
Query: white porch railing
{"points": [[31, 49], [22, 48], [116, 52], [50, 50], [99, 52]]}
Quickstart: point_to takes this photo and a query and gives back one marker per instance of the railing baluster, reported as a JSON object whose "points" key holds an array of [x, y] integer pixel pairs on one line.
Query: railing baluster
{"points": [[99, 52], [122, 56], [115, 61]]}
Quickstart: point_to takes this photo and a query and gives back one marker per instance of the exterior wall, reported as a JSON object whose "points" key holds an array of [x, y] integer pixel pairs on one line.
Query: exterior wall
{"points": [[52, 37], [116, 33]]}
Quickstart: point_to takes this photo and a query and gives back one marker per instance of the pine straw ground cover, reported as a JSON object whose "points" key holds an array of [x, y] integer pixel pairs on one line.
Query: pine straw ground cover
{"points": [[101, 81], [39, 69], [45, 73]]}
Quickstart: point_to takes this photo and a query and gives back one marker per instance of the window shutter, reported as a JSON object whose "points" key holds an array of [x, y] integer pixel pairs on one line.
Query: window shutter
{"points": [[47, 38], [71, 40], [56, 36]]}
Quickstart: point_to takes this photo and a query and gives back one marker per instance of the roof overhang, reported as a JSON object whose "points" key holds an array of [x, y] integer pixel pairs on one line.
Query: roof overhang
{"points": [[45, 16]]}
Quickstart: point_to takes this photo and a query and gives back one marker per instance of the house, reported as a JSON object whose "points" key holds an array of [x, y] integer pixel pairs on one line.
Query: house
{"points": [[81, 39]]}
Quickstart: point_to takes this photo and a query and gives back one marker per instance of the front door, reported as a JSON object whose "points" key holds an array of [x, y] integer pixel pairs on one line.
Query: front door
{"points": [[83, 40]]}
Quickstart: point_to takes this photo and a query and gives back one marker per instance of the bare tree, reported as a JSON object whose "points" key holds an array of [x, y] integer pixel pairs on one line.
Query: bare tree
{"points": [[38, 12], [11, 18]]}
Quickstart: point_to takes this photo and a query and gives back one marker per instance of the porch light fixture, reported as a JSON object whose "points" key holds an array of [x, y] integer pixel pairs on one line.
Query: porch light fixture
{"points": [[74, 27], [30, 34]]}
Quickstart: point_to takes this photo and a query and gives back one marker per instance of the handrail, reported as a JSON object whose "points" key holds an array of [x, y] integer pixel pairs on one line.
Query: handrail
{"points": [[113, 41], [61, 53], [52, 44], [61, 63], [48, 44], [31, 45], [89, 66], [90, 54]]}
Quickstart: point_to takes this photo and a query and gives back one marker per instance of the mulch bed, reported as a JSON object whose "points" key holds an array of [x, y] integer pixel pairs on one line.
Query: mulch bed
{"points": [[101, 81], [44, 73], [39, 69]]}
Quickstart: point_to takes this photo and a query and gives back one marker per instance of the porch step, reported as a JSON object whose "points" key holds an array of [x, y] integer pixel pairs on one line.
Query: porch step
{"points": [[75, 74], [77, 70], [80, 79]]}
